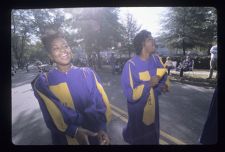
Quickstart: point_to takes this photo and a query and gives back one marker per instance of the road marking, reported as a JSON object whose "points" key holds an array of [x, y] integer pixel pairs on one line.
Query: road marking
{"points": [[123, 113], [171, 138], [124, 116], [162, 142], [118, 115]]}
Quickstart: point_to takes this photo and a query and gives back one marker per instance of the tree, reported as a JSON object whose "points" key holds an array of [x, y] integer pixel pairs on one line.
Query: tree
{"points": [[37, 53], [98, 27], [188, 27], [130, 30], [21, 31], [30, 24], [47, 19]]}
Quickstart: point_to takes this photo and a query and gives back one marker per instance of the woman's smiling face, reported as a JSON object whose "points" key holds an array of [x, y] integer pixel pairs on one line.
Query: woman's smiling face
{"points": [[60, 52]]}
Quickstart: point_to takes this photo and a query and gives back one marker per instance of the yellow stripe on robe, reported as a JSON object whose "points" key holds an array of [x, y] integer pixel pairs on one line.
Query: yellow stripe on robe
{"points": [[168, 82], [105, 99], [161, 72], [137, 92], [149, 109], [61, 91], [54, 111], [144, 76]]}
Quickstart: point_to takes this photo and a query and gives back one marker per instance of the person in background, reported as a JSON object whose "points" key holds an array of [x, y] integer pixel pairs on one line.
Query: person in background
{"points": [[14, 68], [169, 64], [213, 60], [38, 64], [185, 65], [142, 85], [27, 66], [112, 62], [73, 102]]}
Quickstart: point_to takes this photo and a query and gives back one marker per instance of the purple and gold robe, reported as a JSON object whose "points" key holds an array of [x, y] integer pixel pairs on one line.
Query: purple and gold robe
{"points": [[71, 100], [142, 99]]}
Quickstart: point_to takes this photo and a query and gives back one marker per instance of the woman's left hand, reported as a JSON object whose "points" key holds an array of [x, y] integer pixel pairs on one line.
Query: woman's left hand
{"points": [[103, 138], [165, 88]]}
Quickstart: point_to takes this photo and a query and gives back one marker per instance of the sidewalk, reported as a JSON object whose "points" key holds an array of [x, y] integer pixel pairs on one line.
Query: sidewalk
{"points": [[196, 77], [197, 73]]}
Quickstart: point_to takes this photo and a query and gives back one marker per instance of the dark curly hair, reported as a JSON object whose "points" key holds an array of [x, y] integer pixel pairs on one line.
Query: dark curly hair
{"points": [[48, 38], [140, 39]]}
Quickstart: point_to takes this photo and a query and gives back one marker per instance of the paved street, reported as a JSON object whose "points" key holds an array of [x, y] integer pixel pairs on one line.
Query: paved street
{"points": [[183, 111]]}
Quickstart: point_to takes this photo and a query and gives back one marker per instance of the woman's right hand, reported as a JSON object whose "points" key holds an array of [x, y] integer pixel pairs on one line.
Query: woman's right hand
{"points": [[82, 136], [154, 81]]}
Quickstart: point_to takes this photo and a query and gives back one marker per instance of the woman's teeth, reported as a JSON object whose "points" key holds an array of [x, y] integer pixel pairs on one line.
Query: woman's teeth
{"points": [[64, 55]]}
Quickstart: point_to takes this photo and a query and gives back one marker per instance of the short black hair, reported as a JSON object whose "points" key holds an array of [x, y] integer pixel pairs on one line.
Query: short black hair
{"points": [[139, 39], [47, 39]]}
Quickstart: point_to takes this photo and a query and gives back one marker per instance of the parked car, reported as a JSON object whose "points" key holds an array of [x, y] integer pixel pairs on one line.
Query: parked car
{"points": [[45, 68]]}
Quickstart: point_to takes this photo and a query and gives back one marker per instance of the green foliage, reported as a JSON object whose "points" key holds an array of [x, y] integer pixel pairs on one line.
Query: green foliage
{"points": [[99, 27], [38, 53], [129, 32], [189, 27], [28, 25], [92, 29]]}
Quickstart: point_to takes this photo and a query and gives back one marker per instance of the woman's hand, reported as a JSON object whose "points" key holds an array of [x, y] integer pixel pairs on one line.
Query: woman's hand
{"points": [[103, 138], [165, 88], [82, 136], [154, 81]]}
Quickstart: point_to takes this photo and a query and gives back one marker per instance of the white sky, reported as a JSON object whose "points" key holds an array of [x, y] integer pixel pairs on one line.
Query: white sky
{"points": [[147, 17]]}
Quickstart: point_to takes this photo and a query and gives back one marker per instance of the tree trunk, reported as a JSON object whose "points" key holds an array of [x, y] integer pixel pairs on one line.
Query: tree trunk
{"points": [[183, 45], [208, 51], [129, 52], [99, 60], [19, 64]]}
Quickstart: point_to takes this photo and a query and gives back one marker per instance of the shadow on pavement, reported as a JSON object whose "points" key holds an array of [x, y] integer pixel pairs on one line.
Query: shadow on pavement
{"points": [[29, 129], [115, 131], [184, 110]]}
